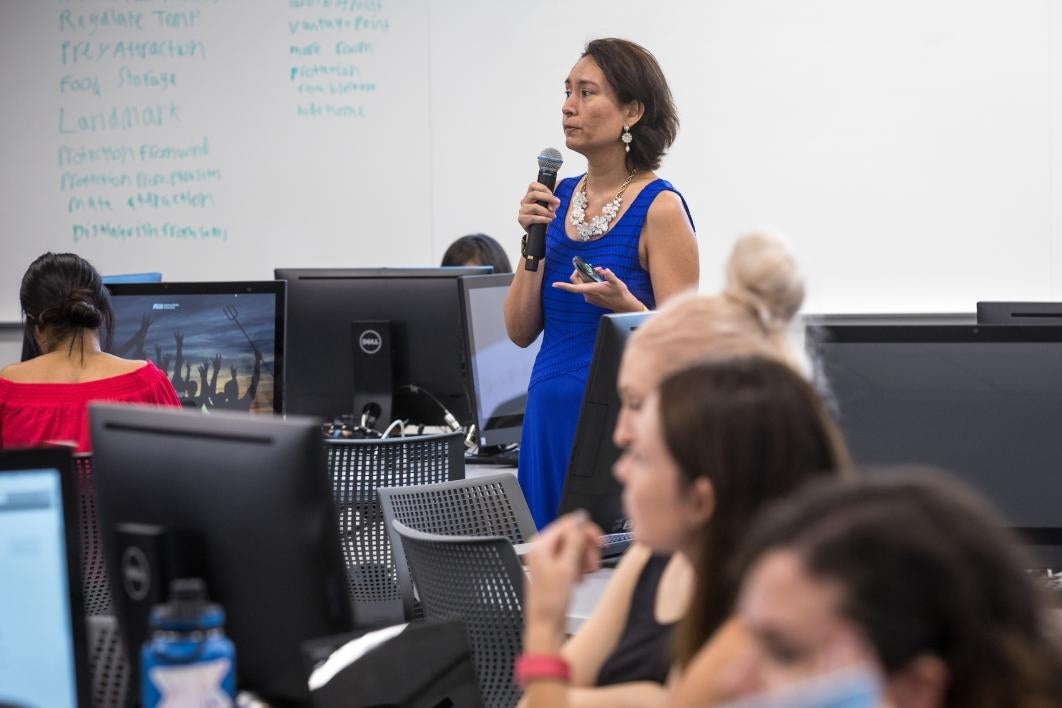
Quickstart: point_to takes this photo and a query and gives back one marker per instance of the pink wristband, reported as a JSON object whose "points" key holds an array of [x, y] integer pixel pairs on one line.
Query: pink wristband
{"points": [[535, 667]]}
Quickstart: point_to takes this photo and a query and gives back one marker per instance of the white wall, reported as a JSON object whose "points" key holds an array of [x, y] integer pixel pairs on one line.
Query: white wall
{"points": [[907, 148]]}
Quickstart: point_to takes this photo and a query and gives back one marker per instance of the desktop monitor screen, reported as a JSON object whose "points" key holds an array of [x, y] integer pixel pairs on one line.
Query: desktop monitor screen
{"points": [[253, 492], [500, 369], [220, 344], [423, 307], [589, 484], [42, 630], [980, 401]]}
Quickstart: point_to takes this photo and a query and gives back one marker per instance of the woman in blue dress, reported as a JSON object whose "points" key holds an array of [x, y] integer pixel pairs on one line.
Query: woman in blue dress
{"points": [[633, 227]]}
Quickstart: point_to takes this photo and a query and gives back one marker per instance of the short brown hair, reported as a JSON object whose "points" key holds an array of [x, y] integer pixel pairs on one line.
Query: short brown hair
{"points": [[926, 567], [478, 249], [635, 75]]}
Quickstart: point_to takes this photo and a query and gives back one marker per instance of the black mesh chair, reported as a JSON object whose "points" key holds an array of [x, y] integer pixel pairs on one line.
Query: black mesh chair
{"points": [[486, 506], [95, 585], [107, 663], [357, 468], [477, 579]]}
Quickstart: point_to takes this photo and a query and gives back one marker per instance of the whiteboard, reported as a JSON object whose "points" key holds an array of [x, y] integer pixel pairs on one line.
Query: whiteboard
{"points": [[906, 149], [226, 138]]}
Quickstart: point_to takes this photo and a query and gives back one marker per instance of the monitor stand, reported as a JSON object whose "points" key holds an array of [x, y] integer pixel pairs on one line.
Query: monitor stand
{"points": [[372, 347], [149, 558]]}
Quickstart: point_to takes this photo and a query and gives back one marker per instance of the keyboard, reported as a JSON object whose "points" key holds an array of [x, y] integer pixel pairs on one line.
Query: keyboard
{"points": [[505, 458], [614, 544]]}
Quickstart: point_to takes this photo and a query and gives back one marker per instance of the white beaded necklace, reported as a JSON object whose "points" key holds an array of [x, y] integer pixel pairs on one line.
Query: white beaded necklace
{"points": [[599, 224]]}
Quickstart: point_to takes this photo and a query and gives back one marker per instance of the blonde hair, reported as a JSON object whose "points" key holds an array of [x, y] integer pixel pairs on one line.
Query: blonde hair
{"points": [[752, 315]]}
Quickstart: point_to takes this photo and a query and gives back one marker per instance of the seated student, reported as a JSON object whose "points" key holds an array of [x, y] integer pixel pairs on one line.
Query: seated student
{"points": [[477, 250], [713, 445], [44, 398], [906, 591], [626, 640]]}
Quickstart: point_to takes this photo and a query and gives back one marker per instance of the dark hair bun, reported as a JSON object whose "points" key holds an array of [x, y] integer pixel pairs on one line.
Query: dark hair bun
{"points": [[80, 311]]}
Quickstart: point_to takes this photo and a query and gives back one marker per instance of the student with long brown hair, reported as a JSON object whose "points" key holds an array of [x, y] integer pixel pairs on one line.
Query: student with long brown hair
{"points": [[622, 653], [715, 443]]}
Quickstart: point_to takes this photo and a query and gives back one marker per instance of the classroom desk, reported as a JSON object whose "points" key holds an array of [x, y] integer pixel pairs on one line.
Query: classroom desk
{"points": [[584, 598], [474, 471]]}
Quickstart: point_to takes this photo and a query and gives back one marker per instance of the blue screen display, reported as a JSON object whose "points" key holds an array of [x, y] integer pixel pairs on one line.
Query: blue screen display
{"points": [[36, 639]]}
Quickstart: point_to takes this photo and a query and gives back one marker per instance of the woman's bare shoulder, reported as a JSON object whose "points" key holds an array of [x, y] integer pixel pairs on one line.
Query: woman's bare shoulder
{"points": [[105, 365], [668, 209], [53, 368], [22, 371]]}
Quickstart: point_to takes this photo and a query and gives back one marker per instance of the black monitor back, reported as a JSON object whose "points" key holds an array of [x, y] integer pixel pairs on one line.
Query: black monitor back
{"points": [[980, 401], [589, 483], [1019, 313], [255, 491], [423, 306]]}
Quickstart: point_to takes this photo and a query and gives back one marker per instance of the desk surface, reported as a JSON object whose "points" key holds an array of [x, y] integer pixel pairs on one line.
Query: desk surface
{"points": [[585, 596], [473, 471]]}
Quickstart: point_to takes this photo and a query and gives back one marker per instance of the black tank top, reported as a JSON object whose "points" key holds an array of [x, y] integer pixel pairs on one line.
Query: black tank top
{"points": [[643, 651]]}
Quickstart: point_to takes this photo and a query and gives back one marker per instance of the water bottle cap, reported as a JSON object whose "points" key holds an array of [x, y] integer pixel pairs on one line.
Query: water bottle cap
{"points": [[188, 609]]}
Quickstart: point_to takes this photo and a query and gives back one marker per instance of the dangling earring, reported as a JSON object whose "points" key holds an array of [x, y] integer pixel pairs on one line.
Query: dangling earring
{"points": [[626, 137]]}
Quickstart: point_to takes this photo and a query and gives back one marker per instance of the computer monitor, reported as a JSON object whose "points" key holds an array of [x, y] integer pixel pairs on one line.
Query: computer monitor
{"points": [[254, 492], [423, 308], [43, 659], [500, 369], [1019, 313], [589, 484], [980, 401], [220, 344]]}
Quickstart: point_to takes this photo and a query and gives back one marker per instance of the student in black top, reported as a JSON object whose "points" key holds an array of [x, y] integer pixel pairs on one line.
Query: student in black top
{"points": [[642, 652], [715, 444]]}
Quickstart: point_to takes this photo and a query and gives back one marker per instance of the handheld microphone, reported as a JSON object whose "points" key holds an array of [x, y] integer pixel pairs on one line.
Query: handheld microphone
{"points": [[549, 161]]}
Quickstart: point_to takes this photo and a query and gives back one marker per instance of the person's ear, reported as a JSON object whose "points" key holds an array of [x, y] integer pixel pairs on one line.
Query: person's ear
{"points": [[39, 338], [701, 500], [922, 683], [633, 112]]}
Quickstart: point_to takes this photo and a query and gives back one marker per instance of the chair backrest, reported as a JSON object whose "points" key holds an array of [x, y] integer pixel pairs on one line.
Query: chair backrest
{"points": [[357, 468], [485, 506], [107, 663], [94, 580], [478, 579]]}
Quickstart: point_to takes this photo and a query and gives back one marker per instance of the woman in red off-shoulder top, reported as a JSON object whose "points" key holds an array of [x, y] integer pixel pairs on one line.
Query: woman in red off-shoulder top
{"points": [[44, 398]]}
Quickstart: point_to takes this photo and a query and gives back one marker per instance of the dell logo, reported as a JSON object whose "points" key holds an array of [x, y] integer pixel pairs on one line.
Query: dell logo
{"points": [[370, 341], [136, 574]]}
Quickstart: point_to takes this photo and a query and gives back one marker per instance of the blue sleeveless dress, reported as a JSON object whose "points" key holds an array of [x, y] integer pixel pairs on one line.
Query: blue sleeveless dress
{"points": [[558, 378]]}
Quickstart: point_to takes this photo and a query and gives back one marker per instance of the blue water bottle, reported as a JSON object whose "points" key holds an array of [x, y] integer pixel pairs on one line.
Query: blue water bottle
{"points": [[187, 659]]}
